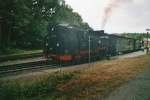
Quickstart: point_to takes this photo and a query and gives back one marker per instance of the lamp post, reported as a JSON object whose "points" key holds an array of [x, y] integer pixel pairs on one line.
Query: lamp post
{"points": [[147, 47]]}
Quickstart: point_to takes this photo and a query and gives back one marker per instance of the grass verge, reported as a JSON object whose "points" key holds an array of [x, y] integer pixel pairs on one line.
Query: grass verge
{"points": [[96, 81], [34, 90]]}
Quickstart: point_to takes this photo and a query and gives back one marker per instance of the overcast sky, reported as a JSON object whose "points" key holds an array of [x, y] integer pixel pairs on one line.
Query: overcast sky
{"points": [[128, 16]]}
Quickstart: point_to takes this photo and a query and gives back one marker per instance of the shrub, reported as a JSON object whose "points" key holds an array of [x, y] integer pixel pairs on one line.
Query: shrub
{"points": [[37, 88]]}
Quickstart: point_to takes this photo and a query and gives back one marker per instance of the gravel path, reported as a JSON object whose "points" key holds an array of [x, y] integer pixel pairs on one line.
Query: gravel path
{"points": [[132, 55], [136, 89], [28, 60]]}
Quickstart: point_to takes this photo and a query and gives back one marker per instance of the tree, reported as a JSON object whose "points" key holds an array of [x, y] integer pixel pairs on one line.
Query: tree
{"points": [[24, 19], [24, 22], [66, 15]]}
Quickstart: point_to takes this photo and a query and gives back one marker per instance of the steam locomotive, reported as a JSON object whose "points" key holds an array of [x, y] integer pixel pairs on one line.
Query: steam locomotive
{"points": [[66, 43]]}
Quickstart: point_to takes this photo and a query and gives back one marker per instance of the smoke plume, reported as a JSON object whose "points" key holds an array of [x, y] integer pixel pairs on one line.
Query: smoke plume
{"points": [[109, 9]]}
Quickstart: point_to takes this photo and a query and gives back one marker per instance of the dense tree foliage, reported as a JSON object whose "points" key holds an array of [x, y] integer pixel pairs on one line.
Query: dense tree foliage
{"points": [[23, 23], [136, 35]]}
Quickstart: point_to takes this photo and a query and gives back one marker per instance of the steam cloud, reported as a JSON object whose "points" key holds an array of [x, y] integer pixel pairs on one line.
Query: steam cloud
{"points": [[108, 10]]}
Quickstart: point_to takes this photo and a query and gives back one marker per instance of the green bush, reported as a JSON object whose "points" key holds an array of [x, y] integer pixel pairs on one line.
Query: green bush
{"points": [[35, 89]]}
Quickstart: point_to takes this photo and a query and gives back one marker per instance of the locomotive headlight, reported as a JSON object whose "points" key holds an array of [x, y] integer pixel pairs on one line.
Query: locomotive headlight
{"points": [[52, 29], [57, 44]]}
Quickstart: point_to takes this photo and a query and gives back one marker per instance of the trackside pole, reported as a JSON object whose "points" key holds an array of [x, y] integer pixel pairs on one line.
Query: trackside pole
{"points": [[89, 50]]}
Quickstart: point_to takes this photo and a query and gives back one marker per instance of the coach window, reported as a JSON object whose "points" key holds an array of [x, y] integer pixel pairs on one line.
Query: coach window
{"points": [[85, 35], [129, 42]]}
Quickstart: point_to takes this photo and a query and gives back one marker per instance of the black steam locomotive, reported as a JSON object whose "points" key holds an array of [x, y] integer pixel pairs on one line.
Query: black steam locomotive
{"points": [[66, 43]]}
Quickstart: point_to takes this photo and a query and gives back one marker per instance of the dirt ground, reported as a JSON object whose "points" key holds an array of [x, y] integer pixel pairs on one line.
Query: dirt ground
{"points": [[102, 78]]}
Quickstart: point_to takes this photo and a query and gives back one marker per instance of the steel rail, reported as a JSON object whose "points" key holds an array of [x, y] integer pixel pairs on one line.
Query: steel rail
{"points": [[29, 68]]}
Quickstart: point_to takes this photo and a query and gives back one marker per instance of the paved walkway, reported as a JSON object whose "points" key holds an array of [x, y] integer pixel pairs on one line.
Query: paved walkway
{"points": [[136, 89]]}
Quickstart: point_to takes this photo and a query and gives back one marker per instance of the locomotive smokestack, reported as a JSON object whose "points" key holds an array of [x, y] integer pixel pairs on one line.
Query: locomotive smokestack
{"points": [[102, 31]]}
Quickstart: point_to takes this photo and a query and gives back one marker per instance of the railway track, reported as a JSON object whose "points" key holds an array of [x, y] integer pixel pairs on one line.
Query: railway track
{"points": [[32, 66], [16, 57], [48, 64], [27, 66], [11, 71]]}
